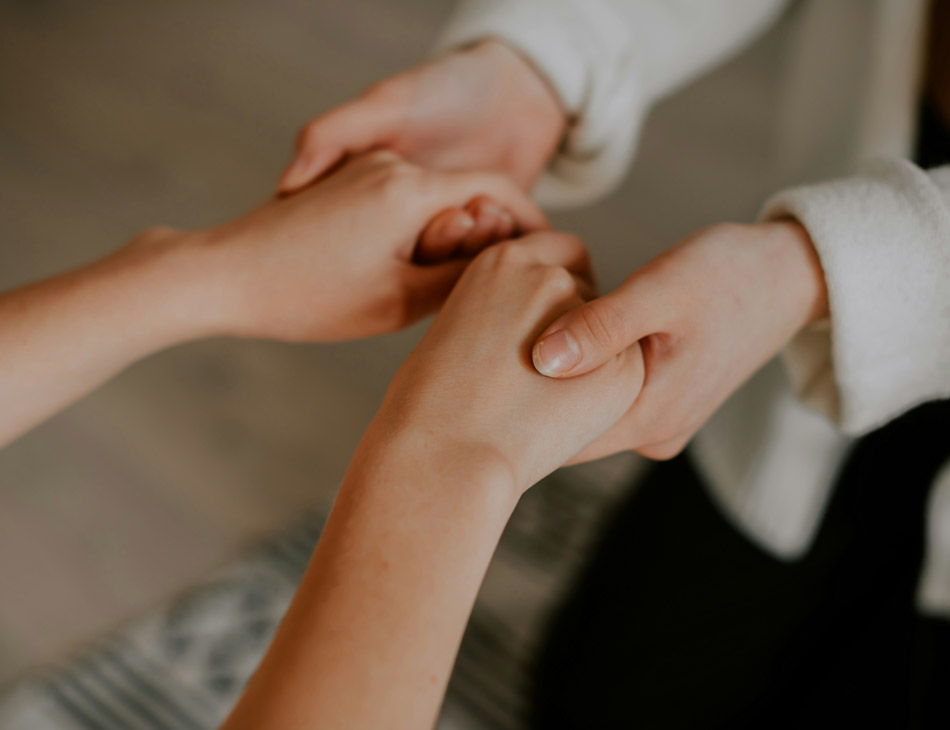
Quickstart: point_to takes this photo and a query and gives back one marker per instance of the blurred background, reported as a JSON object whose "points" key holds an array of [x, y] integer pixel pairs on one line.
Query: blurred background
{"points": [[115, 116]]}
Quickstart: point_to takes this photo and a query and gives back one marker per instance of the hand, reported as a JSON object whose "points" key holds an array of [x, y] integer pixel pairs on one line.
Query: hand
{"points": [[465, 231], [336, 262], [706, 314], [481, 108], [469, 393]]}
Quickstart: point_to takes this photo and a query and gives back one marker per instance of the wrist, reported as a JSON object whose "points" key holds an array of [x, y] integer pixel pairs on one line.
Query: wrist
{"points": [[537, 102], [802, 271], [175, 271], [427, 457]]}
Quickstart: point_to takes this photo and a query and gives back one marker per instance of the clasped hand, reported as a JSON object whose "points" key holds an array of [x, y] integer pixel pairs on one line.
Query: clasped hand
{"points": [[707, 314]]}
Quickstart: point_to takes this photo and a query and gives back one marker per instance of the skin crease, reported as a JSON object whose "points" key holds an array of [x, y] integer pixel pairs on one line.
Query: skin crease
{"points": [[707, 314], [393, 291], [481, 108], [465, 428], [467, 424], [314, 267], [486, 106]]}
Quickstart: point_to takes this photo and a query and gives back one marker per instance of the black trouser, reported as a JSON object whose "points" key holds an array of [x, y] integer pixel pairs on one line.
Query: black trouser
{"points": [[681, 622]]}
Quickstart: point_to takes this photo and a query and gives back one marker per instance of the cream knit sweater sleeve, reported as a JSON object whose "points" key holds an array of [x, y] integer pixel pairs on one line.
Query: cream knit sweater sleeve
{"points": [[609, 61], [883, 238]]}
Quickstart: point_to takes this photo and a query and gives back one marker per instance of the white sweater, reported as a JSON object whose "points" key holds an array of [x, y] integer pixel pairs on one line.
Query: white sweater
{"points": [[882, 229]]}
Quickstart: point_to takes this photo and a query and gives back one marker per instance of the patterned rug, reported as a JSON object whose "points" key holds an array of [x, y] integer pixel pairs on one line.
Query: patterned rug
{"points": [[183, 666]]}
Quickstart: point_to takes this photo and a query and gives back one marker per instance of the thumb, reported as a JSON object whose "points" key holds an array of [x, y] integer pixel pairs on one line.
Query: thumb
{"points": [[587, 337], [325, 141]]}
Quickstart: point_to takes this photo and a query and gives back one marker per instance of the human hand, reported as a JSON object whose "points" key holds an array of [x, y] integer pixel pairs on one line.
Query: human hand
{"points": [[336, 262], [706, 315], [484, 107], [469, 393]]}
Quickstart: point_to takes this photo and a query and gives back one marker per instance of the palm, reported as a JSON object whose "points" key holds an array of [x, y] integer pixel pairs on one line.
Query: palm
{"points": [[457, 116], [484, 108]]}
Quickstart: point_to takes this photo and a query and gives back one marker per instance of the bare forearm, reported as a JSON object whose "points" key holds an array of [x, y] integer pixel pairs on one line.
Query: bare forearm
{"points": [[465, 428], [62, 337], [373, 631]]}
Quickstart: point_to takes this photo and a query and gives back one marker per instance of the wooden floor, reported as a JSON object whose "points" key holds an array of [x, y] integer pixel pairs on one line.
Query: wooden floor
{"points": [[119, 115]]}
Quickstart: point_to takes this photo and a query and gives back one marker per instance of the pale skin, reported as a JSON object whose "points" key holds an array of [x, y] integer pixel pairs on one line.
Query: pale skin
{"points": [[707, 314], [315, 267], [466, 426], [483, 108]]}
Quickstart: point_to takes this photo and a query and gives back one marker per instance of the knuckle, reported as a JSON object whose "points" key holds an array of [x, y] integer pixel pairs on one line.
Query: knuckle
{"points": [[393, 176], [508, 255], [573, 242], [385, 158], [558, 281], [605, 323], [662, 451]]}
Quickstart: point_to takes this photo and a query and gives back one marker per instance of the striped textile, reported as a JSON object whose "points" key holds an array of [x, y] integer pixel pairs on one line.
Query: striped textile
{"points": [[182, 667]]}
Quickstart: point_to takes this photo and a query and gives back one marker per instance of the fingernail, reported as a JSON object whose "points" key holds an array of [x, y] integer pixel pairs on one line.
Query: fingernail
{"points": [[556, 354], [297, 168], [492, 210], [458, 227]]}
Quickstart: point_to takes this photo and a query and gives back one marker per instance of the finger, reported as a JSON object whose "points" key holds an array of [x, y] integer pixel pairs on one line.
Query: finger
{"points": [[444, 235], [489, 218], [555, 249], [428, 286], [586, 337], [505, 228], [451, 188], [665, 450], [326, 140]]}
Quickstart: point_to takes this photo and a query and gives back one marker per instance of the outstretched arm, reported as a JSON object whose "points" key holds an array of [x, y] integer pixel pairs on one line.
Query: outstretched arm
{"points": [[62, 337], [465, 428], [334, 263]]}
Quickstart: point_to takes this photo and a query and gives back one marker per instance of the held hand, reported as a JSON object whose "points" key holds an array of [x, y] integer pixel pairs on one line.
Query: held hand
{"points": [[481, 108], [469, 390], [336, 262], [707, 314]]}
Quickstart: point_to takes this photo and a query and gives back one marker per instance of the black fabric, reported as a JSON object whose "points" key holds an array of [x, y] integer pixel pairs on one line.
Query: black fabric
{"points": [[679, 621], [933, 142]]}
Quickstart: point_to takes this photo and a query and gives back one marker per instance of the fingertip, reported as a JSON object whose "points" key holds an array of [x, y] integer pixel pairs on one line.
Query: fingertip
{"points": [[505, 228], [445, 234], [556, 354], [296, 175], [486, 214]]}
